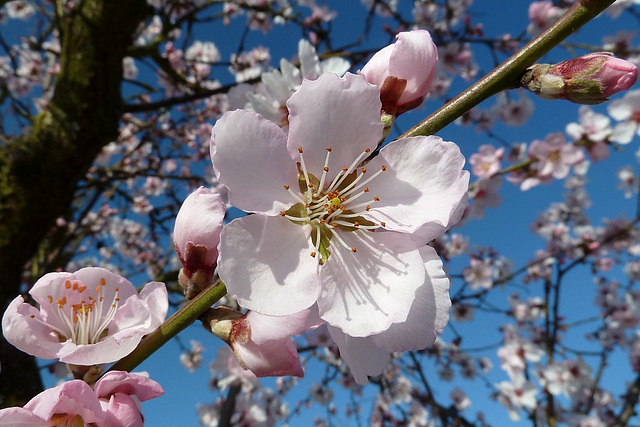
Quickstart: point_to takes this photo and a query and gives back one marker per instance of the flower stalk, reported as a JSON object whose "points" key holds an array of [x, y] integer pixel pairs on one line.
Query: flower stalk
{"points": [[507, 74], [172, 326]]}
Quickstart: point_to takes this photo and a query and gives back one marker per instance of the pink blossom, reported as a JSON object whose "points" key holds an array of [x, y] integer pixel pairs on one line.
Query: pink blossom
{"points": [[594, 129], [70, 403], [486, 161], [479, 274], [119, 394], [626, 110], [554, 156], [485, 194], [196, 234], [313, 243], [262, 344], [413, 59], [88, 317], [542, 14]]}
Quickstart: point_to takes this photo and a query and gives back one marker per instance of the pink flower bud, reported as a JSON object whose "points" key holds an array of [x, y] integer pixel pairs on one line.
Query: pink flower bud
{"points": [[403, 71], [196, 234], [262, 344], [590, 79]]}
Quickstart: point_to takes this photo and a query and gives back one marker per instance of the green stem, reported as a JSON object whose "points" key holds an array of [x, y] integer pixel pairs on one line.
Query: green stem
{"points": [[172, 326], [507, 74]]}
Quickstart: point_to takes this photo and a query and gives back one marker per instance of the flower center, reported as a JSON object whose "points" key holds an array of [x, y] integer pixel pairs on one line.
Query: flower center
{"points": [[329, 207], [85, 322]]}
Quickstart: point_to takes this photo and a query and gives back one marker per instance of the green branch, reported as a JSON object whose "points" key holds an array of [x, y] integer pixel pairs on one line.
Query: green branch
{"points": [[507, 74], [172, 326]]}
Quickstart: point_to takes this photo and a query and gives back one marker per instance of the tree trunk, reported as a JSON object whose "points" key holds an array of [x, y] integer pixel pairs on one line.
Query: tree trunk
{"points": [[40, 170]]}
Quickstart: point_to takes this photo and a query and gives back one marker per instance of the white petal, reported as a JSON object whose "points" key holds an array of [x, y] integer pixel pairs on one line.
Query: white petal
{"points": [[429, 313], [309, 64], [335, 65], [364, 293], [250, 158], [361, 354], [266, 263], [623, 132], [424, 182], [343, 113]]}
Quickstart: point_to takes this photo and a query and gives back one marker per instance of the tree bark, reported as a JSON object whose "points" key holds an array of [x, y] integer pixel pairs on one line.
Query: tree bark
{"points": [[39, 171]]}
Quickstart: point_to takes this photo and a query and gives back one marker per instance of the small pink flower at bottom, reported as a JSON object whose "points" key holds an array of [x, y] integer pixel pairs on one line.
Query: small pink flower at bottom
{"points": [[88, 317], [70, 404], [75, 403], [120, 392], [554, 156]]}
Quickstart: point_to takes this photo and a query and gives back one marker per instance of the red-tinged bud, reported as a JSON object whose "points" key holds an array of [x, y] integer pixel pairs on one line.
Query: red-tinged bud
{"points": [[590, 79], [262, 344], [196, 236], [403, 71]]}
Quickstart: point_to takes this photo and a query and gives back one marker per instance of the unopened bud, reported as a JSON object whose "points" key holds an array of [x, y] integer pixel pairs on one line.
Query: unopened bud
{"points": [[403, 71], [197, 233], [590, 79]]}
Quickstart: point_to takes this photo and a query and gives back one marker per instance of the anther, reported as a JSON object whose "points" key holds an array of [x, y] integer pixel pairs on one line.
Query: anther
{"points": [[326, 169], [50, 298], [307, 205], [344, 169], [376, 198], [364, 170], [81, 289], [356, 224], [310, 185], [33, 316], [98, 289], [282, 213], [300, 150], [286, 187], [367, 208], [384, 224], [367, 151], [103, 281], [329, 149], [366, 189], [354, 249], [75, 286], [384, 168], [67, 284], [313, 254]]}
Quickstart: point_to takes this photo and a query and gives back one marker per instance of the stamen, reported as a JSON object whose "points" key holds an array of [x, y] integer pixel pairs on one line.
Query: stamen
{"points": [[348, 170], [325, 169], [295, 196], [304, 167], [384, 168]]}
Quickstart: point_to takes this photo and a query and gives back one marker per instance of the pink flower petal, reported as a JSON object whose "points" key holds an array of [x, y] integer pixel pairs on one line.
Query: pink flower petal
{"points": [[266, 263], [73, 398], [139, 385], [26, 333], [364, 293], [154, 295], [121, 411], [20, 417], [343, 113], [273, 358], [424, 182], [250, 158]]}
